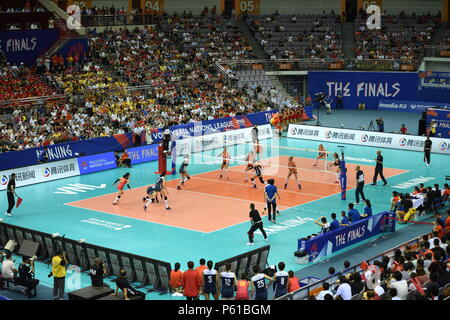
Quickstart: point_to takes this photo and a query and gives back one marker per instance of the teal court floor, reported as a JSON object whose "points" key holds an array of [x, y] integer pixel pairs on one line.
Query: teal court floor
{"points": [[46, 207]]}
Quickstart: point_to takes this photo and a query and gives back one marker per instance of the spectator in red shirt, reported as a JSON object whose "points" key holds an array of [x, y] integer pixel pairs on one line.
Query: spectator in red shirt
{"points": [[403, 129], [191, 282]]}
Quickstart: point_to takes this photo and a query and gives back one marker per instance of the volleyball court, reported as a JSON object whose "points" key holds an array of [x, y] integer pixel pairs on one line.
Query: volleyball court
{"points": [[208, 202]]}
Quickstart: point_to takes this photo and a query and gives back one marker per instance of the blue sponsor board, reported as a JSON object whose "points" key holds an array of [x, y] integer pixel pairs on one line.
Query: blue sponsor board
{"points": [[61, 151], [97, 162], [143, 154], [434, 86], [409, 106], [366, 87], [25, 46], [217, 125], [331, 242]]}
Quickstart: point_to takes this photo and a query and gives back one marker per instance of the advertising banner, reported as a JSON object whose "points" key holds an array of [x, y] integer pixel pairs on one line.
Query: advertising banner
{"points": [[409, 106], [217, 125], [221, 139], [41, 173], [331, 242], [434, 86], [26, 46], [66, 150], [143, 154], [97, 162], [442, 119], [74, 47], [366, 87], [367, 138]]}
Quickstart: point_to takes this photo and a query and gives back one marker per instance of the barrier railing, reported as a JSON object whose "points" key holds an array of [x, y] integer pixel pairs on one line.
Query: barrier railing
{"points": [[324, 64], [442, 51], [140, 269], [245, 262], [314, 288], [117, 20]]}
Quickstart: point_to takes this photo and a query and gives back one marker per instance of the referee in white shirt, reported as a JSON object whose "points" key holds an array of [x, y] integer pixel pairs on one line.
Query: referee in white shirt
{"points": [[359, 184]]}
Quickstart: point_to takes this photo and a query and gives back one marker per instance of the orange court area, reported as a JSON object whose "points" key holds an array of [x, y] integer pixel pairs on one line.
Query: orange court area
{"points": [[207, 203]]}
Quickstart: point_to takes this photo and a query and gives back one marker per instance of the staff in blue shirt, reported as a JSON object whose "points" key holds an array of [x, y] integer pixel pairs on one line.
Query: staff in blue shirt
{"points": [[334, 224], [353, 214], [270, 193], [344, 221], [367, 209]]}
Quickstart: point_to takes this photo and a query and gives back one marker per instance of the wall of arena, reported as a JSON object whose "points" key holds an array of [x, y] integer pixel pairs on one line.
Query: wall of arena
{"points": [[418, 6], [270, 6], [300, 6]]}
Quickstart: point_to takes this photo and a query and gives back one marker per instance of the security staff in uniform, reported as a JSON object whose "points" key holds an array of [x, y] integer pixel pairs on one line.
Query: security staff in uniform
{"points": [[359, 184], [10, 192], [379, 169], [427, 151]]}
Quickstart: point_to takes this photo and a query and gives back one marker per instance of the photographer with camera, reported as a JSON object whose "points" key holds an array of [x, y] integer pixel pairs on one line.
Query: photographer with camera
{"points": [[97, 273], [26, 274], [380, 125], [59, 264]]}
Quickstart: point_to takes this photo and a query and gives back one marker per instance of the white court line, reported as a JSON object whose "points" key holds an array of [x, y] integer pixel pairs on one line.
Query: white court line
{"points": [[247, 186], [283, 177], [218, 196], [126, 217]]}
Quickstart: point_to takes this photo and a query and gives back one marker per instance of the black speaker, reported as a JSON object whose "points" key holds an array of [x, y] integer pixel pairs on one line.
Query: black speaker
{"points": [[422, 127], [28, 248]]}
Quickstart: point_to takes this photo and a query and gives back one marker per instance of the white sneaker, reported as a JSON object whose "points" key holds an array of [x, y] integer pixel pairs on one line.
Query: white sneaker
{"points": [[250, 243], [427, 164], [9, 214], [266, 239]]}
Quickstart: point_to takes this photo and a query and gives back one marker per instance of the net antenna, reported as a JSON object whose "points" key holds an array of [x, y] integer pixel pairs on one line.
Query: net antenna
{"points": [[342, 151]]}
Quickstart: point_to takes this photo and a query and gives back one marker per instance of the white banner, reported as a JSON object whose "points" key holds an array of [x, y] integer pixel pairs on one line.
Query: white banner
{"points": [[367, 138], [221, 139], [41, 173]]}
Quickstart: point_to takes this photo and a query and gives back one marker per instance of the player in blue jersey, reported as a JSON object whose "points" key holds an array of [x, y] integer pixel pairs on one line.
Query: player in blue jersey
{"points": [[184, 176], [210, 277], [258, 284], [228, 283], [158, 189], [280, 279]]}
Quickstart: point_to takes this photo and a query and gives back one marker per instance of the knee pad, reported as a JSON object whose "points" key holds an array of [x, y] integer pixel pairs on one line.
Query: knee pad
{"points": [[165, 198]]}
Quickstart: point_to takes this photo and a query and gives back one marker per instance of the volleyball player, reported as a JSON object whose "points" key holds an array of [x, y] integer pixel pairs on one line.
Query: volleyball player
{"points": [[158, 189], [225, 163], [184, 176], [228, 282], [122, 182], [337, 164], [210, 277], [151, 196], [257, 174], [161, 188], [292, 166], [250, 160], [281, 279], [322, 154], [258, 283]]}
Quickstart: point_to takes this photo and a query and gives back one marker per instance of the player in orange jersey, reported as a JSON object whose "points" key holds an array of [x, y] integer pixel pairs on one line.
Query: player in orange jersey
{"points": [[122, 182]]}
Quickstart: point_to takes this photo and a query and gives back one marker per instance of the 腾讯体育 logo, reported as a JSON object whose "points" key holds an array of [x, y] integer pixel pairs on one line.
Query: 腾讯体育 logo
{"points": [[364, 138], [46, 172]]}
